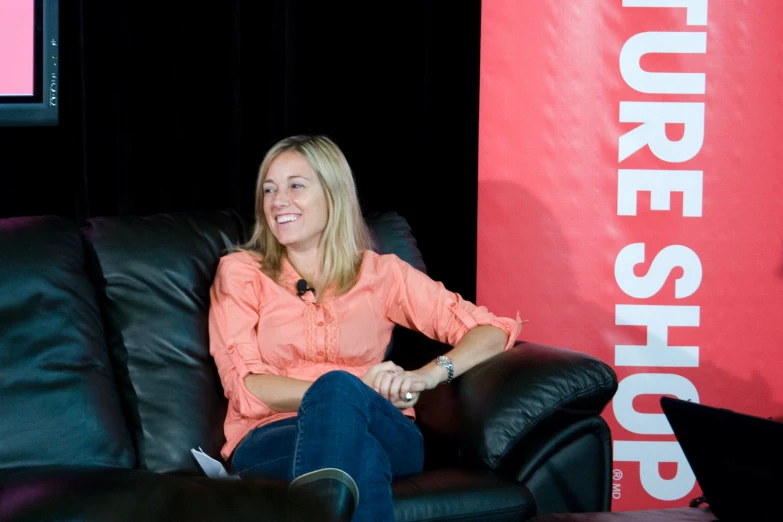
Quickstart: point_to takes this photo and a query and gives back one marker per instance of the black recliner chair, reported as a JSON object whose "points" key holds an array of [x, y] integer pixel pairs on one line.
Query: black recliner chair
{"points": [[106, 383]]}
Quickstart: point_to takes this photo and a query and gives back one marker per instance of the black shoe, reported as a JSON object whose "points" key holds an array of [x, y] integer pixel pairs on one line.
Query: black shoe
{"points": [[324, 495]]}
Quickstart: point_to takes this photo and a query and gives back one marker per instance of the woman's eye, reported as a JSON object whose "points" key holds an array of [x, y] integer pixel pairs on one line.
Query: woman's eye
{"points": [[297, 185], [268, 190]]}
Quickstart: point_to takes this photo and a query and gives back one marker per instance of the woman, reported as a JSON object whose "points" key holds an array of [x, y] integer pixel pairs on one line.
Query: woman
{"points": [[299, 321]]}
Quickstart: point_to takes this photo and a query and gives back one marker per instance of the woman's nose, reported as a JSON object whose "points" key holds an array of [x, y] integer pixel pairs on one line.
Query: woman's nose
{"points": [[280, 200]]}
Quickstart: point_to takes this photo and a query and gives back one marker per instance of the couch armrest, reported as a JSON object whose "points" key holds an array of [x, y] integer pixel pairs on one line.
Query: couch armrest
{"points": [[530, 385]]}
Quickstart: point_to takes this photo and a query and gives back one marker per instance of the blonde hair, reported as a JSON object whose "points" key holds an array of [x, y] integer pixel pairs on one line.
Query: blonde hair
{"points": [[346, 235]]}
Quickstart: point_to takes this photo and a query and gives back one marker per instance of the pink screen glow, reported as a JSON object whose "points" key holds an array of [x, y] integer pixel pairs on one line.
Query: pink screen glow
{"points": [[17, 24]]}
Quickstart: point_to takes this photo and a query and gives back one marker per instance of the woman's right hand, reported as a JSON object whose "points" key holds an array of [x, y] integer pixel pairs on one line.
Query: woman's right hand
{"points": [[379, 377], [370, 377]]}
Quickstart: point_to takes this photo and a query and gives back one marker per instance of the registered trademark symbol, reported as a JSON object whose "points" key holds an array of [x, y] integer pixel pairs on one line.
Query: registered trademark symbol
{"points": [[617, 474]]}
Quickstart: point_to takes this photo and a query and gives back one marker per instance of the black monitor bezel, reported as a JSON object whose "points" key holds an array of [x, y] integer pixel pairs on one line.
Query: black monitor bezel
{"points": [[42, 107]]}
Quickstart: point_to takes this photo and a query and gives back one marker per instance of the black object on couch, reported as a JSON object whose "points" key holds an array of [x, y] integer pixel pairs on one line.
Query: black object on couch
{"points": [[106, 383]]}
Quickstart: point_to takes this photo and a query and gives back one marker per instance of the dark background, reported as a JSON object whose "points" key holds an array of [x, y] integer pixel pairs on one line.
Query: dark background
{"points": [[172, 108]]}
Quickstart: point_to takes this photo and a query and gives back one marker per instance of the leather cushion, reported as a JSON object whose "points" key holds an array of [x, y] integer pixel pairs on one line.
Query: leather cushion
{"points": [[58, 400], [459, 494], [391, 234], [153, 276], [524, 388], [568, 470]]}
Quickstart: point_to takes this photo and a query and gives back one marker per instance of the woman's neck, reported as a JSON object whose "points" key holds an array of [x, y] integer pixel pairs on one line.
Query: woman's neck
{"points": [[306, 265]]}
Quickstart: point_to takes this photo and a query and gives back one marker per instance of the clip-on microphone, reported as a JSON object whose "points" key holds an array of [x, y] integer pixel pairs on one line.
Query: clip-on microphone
{"points": [[302, 288]]}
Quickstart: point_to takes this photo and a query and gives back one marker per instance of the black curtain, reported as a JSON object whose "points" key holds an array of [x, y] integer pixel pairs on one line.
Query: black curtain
{"points": [[171, 108]]}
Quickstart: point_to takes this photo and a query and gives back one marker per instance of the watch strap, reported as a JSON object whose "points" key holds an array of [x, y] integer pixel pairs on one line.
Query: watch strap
{"points": [[446, 363]]}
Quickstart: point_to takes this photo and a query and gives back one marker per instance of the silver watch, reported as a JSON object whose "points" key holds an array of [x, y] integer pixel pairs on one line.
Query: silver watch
{"points": [[446, 363]]}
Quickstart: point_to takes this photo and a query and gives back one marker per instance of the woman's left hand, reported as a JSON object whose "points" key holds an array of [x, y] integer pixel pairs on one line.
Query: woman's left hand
{"points": [[394, 385]]}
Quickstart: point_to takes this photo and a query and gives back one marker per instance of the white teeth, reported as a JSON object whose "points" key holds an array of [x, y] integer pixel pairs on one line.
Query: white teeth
{"points": [[287, 219]]}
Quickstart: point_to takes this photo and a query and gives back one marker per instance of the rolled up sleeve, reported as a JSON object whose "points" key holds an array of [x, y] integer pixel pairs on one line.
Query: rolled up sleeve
{"points": [[417, 302], [233, 323]]}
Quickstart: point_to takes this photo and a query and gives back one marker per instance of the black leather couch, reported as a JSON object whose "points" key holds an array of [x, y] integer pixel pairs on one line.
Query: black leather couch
{"points": [[106, 383]]}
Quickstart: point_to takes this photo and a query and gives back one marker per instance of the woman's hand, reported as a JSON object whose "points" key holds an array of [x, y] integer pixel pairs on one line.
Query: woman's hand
{"points": [[403, 404], [393, 382], [379, 369], [395, 385]]}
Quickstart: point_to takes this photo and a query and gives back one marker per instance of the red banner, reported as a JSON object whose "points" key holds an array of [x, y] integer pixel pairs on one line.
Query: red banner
{"points": [[630, 206]]}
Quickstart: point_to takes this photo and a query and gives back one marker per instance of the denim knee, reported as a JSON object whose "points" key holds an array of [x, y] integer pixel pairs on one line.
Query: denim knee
{"points": [[339, 382], [339, 386]]}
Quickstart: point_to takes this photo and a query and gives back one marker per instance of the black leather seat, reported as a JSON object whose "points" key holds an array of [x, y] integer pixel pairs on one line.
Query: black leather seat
{"points": [[106, 382]]}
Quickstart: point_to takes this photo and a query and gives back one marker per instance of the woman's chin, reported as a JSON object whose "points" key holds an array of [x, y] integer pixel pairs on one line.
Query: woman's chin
{"points": [[297, 241], [289, 242]]}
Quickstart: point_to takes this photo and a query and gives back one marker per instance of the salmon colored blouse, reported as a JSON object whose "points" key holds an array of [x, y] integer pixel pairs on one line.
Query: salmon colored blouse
{"points": [[257, 325]]}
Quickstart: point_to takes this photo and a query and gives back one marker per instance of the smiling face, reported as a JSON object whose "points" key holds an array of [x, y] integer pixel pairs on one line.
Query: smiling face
{"points": [[295, 204]]}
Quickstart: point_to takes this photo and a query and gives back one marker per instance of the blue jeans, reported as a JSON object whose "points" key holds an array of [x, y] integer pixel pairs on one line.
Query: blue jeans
{"points": [[342, 423]]}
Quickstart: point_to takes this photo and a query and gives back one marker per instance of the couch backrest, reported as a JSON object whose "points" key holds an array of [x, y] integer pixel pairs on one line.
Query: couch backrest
{"points": [[393, 235], [153, 275], [59, 405]]}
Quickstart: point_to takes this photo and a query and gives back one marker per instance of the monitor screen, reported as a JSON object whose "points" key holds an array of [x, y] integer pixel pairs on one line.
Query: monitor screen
{"points": [[29, 51]]}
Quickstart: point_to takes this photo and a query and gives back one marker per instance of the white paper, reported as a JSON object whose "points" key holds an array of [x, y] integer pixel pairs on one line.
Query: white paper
{"points": [[211, 467]]}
